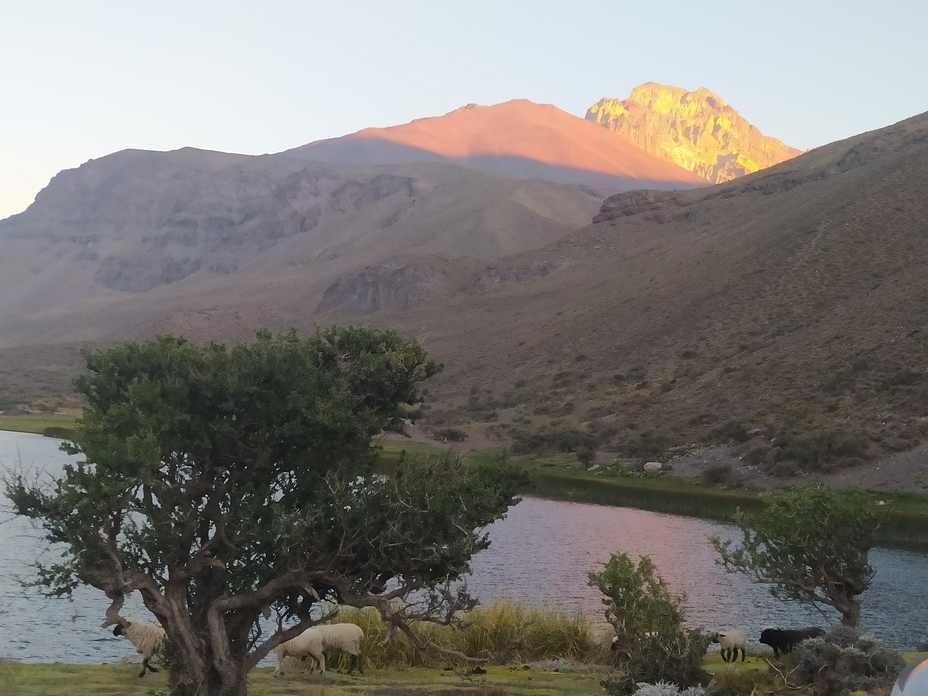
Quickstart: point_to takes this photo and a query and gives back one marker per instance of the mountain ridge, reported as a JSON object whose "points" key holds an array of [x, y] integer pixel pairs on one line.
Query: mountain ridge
{"points": [[516, 138]]}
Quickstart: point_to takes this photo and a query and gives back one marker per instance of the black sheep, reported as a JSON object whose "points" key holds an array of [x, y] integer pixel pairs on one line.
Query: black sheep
{"points": [[783, 641]]}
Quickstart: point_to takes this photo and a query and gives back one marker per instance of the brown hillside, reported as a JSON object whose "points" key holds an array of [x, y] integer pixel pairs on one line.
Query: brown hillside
{"points": [[794, 301], [791, 302], [126, 241], [517, 138], [695, 130]]}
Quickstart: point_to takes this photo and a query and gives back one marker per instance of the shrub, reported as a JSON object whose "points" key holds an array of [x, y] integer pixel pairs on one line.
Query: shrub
{"points": [[730, 430], [451, 434], [652, 643], [585, 455], [556, 439], [819, 451], [59, 432], [648, 445], [842, 661], [718, 475]]}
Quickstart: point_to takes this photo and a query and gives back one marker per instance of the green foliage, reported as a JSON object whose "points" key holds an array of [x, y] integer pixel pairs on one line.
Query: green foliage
{"points": [[217, 481], [810, 545], [820, 451], [651, 644]]}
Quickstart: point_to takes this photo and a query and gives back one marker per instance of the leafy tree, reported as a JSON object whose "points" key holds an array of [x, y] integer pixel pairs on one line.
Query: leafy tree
{"points": [[221, 483], [810, 545], [651, 643]]}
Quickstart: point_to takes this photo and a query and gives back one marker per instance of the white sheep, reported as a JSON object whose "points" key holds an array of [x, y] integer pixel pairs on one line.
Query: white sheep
{"points": [[306, 644], [730, 642], [346, 637], [148, 639]]}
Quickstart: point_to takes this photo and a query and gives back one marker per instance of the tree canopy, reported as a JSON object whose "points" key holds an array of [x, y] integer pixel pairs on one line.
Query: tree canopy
{"points": [[223, 482], [811, 545]]}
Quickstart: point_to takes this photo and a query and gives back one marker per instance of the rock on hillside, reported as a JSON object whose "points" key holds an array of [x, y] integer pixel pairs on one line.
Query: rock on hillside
{"points": [[695, 130]]}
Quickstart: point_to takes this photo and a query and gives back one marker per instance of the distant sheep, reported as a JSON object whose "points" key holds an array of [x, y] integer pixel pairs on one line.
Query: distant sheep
{"points": [[148, 639], [730, 642], [783, 641]]}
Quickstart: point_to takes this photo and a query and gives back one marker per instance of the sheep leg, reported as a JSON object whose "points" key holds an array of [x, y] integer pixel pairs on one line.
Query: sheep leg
{"points": [[355, 662], [742, 654]]}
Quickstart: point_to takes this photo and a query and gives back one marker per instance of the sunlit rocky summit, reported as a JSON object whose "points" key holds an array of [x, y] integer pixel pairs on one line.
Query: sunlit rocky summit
{"points": [[697, 131]]}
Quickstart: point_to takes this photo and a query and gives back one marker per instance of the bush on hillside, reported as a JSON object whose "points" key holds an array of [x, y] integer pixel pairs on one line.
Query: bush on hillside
{"points": [[451, 434], [547, 440], [819, 451], [718, 475]]}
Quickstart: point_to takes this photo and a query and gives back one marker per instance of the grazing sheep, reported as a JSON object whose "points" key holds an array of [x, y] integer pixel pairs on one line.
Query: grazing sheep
{"points": [[308, 643], [730, 642], [346, 637], [148, 639], [783, 641]]}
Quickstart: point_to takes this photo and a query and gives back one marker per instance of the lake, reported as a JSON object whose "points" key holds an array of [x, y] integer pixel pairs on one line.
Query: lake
{"points": [[540, 554]]}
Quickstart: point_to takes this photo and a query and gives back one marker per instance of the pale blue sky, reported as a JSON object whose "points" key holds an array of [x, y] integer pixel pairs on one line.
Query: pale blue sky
{"points": [[79, 80]]}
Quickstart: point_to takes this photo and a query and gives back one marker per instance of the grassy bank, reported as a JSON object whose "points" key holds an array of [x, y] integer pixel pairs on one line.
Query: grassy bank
{"points": [[53, 425], [100, 680], [506, 680]]}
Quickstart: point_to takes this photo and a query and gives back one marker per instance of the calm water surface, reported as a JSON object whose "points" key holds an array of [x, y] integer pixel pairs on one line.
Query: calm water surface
{"points": [[540, 554]]}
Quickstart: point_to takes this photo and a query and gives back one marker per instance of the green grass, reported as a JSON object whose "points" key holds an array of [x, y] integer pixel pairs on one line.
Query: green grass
{"points": [[99, 680]]}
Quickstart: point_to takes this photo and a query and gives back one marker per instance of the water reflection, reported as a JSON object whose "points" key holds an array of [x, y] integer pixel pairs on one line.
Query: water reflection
{"points": [[544, 550]]}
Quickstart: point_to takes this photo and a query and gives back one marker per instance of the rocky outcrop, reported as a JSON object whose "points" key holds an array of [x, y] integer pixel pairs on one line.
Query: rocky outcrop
{"points": [[494, 275], [695, 130], [634, 202], [382, 288]]}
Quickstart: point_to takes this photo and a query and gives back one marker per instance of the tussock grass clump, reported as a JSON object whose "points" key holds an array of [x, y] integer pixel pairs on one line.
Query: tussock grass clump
{"points": [[500, 632]]}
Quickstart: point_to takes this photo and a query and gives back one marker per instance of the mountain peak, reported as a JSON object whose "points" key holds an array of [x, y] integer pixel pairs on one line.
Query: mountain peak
{"points": [[696, 130], [517, 138]]}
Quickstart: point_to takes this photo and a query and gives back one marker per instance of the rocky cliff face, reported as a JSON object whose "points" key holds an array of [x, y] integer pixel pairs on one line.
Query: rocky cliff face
{"points": [[695, 130]]}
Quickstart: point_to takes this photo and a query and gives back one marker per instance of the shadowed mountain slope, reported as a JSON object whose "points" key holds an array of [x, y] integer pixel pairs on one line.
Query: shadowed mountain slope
{"points": [[517, 138], [137, 236]]}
